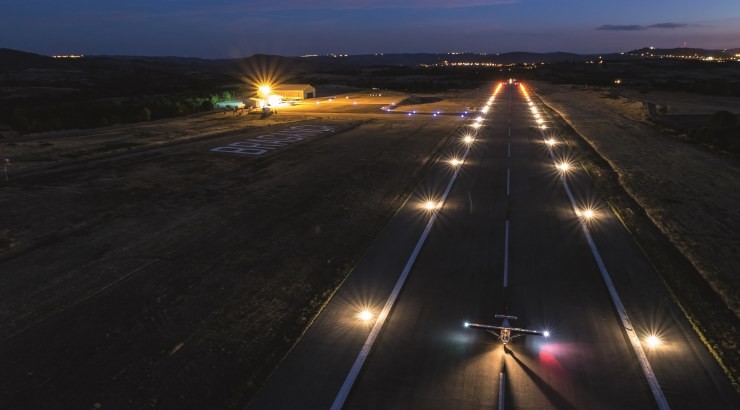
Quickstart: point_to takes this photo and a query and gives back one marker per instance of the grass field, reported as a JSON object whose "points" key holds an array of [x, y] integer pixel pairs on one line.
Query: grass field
{"points": [[139, 269], [689, 193]]}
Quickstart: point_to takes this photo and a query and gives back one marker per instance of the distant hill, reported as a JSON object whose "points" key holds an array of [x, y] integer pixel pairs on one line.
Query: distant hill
{"points": [[415, 59], [16, 60], [697, 52]]}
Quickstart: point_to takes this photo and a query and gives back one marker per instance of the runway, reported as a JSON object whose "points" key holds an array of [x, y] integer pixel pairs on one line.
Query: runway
{"points": [[506, 240]]}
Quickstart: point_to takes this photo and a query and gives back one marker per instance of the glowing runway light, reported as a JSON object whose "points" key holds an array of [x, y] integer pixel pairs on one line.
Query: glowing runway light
{"points": [[564, 167], [430, 205], [365, 315], [587, 213], [455, 162], [543, 127], [550, 141], [468, 139], [653, 341]]}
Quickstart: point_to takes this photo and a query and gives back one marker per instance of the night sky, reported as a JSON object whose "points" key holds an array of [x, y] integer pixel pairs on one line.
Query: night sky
{"points": [[230, 28]]}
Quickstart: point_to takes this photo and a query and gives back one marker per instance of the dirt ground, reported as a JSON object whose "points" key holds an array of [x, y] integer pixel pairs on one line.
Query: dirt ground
{"points": [[691, 194], [139, 269]]}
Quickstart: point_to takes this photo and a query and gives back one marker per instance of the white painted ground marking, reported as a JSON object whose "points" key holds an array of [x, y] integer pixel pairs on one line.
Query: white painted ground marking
{"points": [[508, 180], [510, 128], [506, 256], [626, 322], [501, 391], [508, 150], [349, 381], [261, 144]]}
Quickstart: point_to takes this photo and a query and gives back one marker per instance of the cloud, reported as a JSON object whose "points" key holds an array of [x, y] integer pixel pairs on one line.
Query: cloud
{"points": [[631, 27], [668, 25], [637, 27]]}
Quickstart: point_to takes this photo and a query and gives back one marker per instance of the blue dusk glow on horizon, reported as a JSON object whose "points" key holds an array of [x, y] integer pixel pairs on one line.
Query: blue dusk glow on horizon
{"points": [[230, 28]]}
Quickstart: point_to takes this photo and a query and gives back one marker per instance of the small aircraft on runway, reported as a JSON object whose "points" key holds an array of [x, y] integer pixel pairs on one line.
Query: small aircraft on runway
{"points": [[505, 331]]}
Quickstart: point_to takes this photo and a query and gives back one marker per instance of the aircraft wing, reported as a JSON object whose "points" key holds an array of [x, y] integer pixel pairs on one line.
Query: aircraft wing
{"points": [[526, 331], [487, 327]]}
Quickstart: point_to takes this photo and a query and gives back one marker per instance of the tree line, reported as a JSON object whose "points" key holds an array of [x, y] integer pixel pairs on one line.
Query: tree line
{"points": [[31, 117]]}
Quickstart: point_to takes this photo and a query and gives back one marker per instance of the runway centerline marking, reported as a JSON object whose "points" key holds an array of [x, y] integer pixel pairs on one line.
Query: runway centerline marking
{"points": [[506, 255], [508, 150], [626, 322], [501, 391], [349, 381], [508, 180]]}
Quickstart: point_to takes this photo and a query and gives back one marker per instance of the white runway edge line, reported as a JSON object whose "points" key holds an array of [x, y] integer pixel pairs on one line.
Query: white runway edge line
{"points": [[501, 391], [349, 381], [626, 322]]}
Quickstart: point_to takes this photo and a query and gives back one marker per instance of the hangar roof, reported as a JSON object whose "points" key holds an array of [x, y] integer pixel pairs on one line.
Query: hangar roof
{"points": [[292, 87]]}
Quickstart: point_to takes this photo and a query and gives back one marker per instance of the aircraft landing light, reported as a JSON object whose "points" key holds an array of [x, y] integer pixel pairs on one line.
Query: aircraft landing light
{"points": [[466, 324], [546, 333]]}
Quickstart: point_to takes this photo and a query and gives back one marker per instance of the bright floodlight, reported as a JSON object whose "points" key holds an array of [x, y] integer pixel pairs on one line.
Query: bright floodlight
{"points": [[468, 139], [265, 90], [564, 166], [546, 333], [479, 118], [653, 341], [365, 315], [484, 109]]}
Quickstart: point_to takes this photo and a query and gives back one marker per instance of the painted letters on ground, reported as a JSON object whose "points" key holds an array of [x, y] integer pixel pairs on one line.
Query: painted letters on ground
{"points": [[262, 144]]}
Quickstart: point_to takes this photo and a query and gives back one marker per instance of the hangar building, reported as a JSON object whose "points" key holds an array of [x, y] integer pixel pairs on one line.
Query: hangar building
{"points": [[294, 91]]}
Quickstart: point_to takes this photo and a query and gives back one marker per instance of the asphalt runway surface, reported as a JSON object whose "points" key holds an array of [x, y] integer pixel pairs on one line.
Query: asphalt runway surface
{"points": [[424, 358]]}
